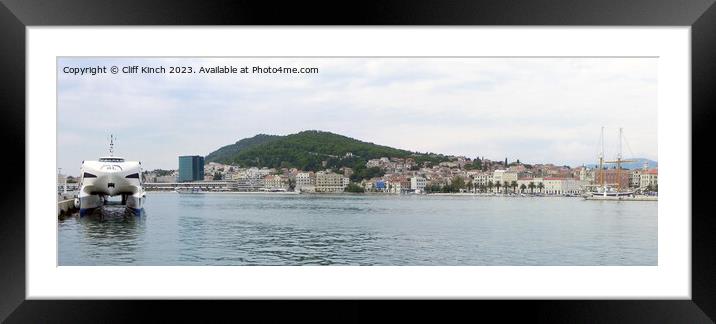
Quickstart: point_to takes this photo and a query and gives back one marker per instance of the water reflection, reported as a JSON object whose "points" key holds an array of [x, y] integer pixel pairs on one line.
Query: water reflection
{"points": [[234, 241], [113, 230]]}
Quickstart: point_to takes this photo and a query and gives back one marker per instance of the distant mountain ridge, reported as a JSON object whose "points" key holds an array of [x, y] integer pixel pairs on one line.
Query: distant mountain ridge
{"points": [[308, 150]]}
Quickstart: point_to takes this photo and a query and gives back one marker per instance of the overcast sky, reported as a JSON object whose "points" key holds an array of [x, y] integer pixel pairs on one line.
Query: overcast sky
{"points": [[538, 110]]}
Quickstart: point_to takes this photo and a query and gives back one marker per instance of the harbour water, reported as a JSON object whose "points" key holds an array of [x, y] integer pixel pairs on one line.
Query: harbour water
{"points": [[275, 229]]}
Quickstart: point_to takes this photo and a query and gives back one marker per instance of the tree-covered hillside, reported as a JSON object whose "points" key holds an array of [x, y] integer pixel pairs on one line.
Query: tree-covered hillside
{"points": [[308, 150], [227, 153]]}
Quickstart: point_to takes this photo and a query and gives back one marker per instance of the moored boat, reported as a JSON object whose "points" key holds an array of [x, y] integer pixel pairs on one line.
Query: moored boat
{"points": [[110, 176]]}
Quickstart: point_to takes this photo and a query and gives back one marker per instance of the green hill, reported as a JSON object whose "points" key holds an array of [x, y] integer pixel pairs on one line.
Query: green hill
{"points": [[308, 150], [228, 152]]}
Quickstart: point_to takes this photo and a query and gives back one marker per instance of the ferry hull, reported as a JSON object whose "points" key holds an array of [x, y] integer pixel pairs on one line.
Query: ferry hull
{"points": [[90, 204]]}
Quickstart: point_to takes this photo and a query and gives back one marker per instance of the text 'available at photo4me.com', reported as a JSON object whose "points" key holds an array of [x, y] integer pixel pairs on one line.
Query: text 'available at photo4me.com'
{"points": [[161, 69]]}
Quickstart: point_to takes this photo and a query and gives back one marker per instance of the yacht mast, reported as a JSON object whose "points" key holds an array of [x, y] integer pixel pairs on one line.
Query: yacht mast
{"points": [[619, 161], [601, 162]]}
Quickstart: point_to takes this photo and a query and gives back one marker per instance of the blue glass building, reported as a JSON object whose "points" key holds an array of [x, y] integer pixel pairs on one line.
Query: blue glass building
{"points": [[191, 168]]}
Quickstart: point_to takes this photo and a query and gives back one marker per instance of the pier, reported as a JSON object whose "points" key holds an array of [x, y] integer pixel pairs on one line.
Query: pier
{"points": [[65, 207], [219, 185]]}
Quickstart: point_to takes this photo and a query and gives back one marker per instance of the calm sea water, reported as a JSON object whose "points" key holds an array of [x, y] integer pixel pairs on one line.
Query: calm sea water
{"points": [[243, 229]]}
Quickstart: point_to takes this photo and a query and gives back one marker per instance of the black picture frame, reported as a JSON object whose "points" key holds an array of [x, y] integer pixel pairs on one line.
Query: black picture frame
{"points": [[15, 15]]}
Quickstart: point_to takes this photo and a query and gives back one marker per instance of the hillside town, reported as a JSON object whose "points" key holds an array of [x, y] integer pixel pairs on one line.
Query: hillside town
{"points": [[404, 176]]}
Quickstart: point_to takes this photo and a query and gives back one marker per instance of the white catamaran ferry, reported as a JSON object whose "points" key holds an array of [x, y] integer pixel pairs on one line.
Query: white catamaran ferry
{"points": [[110, 176]]}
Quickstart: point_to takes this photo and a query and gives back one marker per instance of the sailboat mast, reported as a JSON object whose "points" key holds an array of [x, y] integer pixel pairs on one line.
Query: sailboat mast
{"points": [[601, 161], [619, 155], [619, 162]]}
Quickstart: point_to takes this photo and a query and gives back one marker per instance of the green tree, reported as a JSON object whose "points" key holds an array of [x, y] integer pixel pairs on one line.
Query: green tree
{"points": [[522, 188], [433, 187], [161, 173], [498, 185], [457, 183], [291, 184], [217, 176], [513, 184], [476, 164], [540, 186], [490, 185], [354, 188], [532, 187]]}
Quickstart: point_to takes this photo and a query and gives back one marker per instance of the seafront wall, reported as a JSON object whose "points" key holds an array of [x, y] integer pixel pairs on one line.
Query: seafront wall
{"points": [[65, 207]]}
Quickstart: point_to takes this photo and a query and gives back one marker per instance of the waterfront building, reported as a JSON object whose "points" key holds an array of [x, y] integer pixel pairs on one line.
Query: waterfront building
{"points": [[418, 184], [635, 178], [275, 182], [405, 183], [249, 184], [305, 181], [398, 184], [482, 178], [192, 185], [191, 168], [504, 177], [394, 186], [346, 182], [329, 182], [380, 185], [561, 186], [650, 178], [368, 185], [573, 186]]}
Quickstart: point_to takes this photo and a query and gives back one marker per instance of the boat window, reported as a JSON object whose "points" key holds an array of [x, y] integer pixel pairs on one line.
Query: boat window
{"points": [[89, 175], [111, 160], [133, 175]]}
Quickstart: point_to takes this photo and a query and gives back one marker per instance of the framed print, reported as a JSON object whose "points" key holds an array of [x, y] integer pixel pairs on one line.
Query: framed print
{"points": [[507, 153]]}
